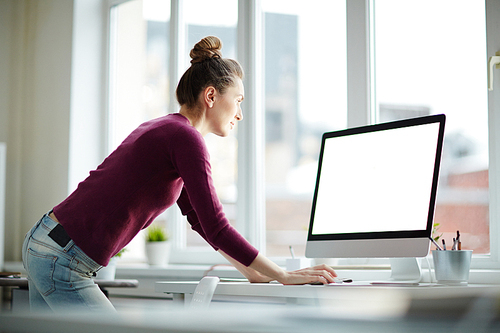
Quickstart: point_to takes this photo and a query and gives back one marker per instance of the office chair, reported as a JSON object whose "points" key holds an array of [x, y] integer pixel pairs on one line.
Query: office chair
{"points": [[204, 292]]}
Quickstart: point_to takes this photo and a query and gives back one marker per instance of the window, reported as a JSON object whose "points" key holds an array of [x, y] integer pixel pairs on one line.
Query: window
{"points": [[305, 95], [138, 78], [312, 67], [215, 18], [138, 75], [418, 73], [139, 82]]}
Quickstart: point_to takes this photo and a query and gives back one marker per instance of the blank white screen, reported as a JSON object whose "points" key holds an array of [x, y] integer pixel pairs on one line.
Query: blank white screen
{"points": [[377, 181]]}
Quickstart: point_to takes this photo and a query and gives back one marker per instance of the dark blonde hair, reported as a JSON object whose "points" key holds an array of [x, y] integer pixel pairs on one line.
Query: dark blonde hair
{"points": [[208, 68]]}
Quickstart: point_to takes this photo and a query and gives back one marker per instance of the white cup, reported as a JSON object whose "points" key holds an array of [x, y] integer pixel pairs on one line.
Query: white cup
{"points": [[294, 264]]}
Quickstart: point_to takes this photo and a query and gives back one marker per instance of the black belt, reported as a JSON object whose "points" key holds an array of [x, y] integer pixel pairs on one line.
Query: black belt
{"points": [[59, 235]]}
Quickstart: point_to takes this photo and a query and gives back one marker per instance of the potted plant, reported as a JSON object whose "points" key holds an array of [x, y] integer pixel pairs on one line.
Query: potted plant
{"points": [[157, 245], [108, 272]]}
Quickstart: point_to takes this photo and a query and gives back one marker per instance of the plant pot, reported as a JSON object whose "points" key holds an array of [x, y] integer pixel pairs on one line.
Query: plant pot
{"points": [[158, 253], [107, 272]]}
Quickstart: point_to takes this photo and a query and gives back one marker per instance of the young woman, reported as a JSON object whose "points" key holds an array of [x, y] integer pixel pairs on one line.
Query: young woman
{"points": [[164, 161]]}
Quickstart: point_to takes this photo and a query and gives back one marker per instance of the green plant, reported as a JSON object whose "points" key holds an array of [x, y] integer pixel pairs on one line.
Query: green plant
{"points": [[434, 232], [119, 254], [156, 233]]}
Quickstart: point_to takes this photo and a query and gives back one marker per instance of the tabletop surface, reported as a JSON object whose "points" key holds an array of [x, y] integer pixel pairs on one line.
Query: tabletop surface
{"points": [[422, 290]]}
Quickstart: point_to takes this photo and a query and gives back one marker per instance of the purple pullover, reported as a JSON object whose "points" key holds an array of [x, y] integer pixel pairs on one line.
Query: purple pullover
{"points": [[163, 161]]}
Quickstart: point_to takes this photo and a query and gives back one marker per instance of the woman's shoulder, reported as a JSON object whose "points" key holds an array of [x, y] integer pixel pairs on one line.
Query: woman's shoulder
{"points": [[173, 124], [181, 134], [172, 131], [180, 127], [172, 120]]}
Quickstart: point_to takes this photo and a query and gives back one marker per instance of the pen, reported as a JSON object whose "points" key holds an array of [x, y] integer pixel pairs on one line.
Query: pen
{"points": [[291, 252], [454, 247], [444, 245], [435, 243]]}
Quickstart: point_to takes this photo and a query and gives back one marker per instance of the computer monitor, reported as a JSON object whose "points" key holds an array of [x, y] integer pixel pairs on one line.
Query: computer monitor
{"points": [[376, 190]]}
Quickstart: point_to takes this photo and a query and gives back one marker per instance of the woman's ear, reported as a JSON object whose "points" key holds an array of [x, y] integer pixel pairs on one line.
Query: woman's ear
{"points": [[209, 96]]}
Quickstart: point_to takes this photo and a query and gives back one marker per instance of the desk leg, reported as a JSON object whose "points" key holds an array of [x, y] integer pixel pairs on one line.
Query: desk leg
{"points": [[179, 298], [20, 301], [105, 292]]}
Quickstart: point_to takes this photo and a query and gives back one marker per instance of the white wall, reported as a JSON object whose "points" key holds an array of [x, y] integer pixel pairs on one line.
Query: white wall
{"points": [[5, 22], [38, 105], [37, 63]]}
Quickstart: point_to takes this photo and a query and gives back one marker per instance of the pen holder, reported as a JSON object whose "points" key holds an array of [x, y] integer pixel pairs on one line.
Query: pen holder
{"points": [[298, 263], [452, 267]]}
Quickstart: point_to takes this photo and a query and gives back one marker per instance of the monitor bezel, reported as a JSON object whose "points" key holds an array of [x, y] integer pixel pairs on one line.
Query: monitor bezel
{"points": [[406, 234]]}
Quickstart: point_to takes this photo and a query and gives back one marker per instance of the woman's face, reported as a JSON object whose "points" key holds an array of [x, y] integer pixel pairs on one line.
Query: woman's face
{"points": [[226, 109]]}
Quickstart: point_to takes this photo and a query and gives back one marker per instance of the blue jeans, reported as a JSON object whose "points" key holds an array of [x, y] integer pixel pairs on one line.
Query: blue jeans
{"points": [[60, 278]]}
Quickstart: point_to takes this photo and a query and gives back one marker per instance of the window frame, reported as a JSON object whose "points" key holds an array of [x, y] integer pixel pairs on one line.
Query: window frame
{"points": [[361, 111], [492, 9]]}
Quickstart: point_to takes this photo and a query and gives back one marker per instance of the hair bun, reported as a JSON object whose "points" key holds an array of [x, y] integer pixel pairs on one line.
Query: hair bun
{"points": [[207, 48]]}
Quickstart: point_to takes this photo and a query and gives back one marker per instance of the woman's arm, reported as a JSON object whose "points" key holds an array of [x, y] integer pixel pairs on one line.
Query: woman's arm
{"points": [[264, 270]]}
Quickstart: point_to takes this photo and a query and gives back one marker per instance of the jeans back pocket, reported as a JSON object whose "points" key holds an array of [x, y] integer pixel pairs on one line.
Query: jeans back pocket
{"points": [[41, 271]]}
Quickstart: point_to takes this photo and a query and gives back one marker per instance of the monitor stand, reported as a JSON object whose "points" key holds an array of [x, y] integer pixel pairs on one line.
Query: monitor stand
{"points": [[404, 271]]}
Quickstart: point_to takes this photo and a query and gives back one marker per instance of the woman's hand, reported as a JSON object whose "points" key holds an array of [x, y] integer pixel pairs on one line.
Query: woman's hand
{"points": [[321, 273], [264, 270]]}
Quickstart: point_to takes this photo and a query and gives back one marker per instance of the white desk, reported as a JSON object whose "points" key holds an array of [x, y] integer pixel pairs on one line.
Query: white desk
{"points": [[366, 298], [481, 317]]}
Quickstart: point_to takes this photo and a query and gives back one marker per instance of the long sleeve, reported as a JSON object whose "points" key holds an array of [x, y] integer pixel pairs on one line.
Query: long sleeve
{"points": [[200, 203], [188, 211]]}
